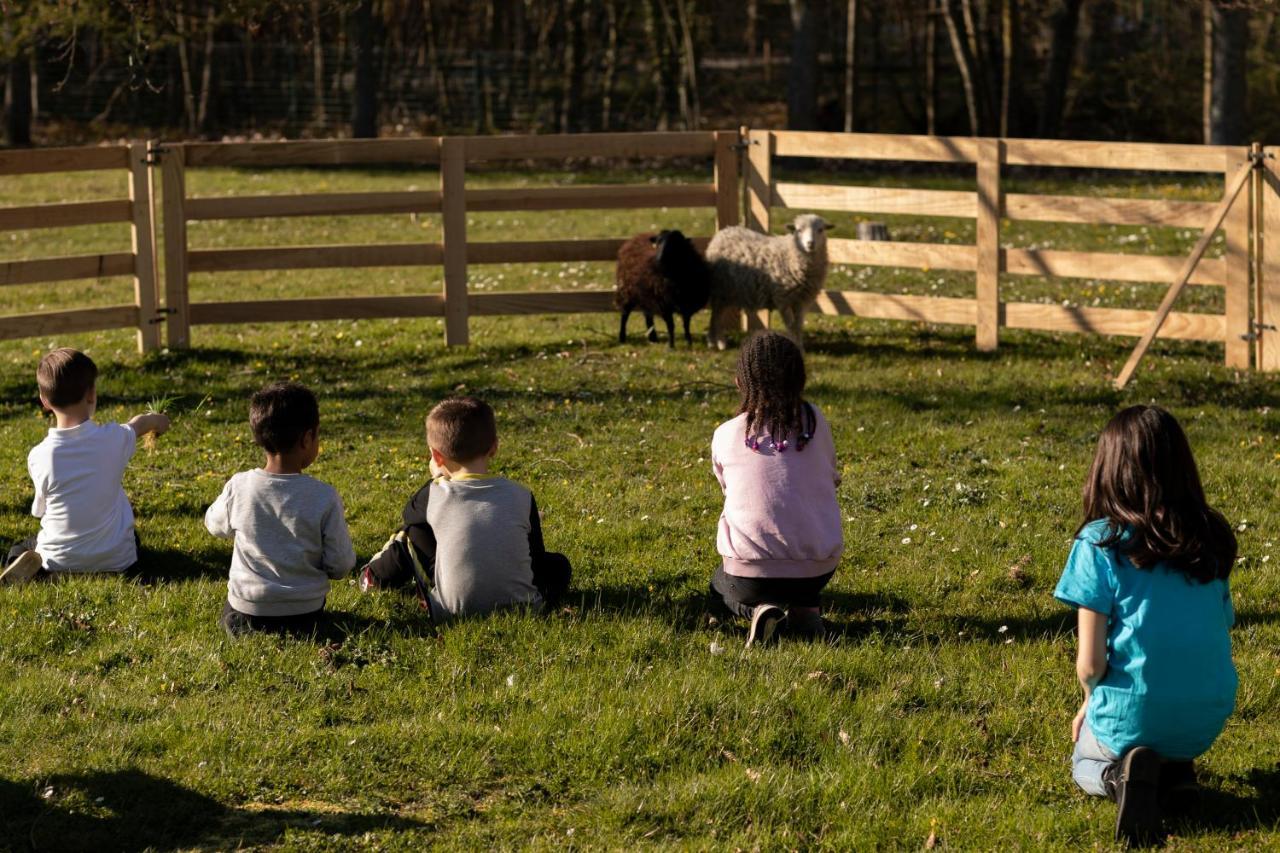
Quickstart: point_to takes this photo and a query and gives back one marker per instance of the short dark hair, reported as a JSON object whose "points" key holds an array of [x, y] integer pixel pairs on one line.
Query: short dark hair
{"points": [[281, 414], [462, 428], [65, 376]]}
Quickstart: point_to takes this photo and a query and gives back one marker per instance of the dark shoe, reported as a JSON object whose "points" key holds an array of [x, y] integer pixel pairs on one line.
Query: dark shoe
{"points": [[765, 620], [806, 624], [1178, 787], [1134, 783]]}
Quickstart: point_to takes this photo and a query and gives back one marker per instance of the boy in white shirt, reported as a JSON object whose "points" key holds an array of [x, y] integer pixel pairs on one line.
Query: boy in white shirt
{"points": [[86, 523], [290, 530]]}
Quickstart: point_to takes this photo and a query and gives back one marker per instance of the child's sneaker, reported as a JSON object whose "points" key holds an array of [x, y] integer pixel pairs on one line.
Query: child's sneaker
{"points": [[1134, 783], [806, 623], [24, 568], [765, 620]]}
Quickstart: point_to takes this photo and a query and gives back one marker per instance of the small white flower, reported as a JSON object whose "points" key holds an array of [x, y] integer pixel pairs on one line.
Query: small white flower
{"points": [[844, 737], [716, 648], [511, 680], [1242, 526], [906, 540], [1004, 629], [913, 527]]}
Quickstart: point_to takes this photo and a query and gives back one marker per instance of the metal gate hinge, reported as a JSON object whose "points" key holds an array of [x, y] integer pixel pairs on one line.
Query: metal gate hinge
{"points": [[161, 314], [154, 155]]}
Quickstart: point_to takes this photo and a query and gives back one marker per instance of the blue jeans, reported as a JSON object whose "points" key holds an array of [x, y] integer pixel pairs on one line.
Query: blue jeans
{"points": [[1088, 761]]}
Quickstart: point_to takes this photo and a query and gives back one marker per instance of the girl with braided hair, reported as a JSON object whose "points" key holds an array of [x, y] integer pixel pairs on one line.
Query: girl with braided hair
{"points": [[779, 535]]}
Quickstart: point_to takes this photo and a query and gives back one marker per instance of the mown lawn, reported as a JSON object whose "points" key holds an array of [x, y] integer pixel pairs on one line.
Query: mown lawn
{"points": [[942, 707]]}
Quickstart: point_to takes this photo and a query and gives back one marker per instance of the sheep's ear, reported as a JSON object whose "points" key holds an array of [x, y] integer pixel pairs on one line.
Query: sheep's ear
{"points": [[827, 226], [791, 228]]}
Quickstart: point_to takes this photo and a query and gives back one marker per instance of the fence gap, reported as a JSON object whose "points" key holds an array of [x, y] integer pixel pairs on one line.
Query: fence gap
{"points": [[142, 233], [990, 203], [453, 199], [177, 299], [1235, 231]]}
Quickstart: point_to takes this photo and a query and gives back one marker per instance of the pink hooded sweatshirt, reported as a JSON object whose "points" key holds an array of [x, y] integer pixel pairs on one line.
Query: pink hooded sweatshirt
{"points": [[781, 518]]}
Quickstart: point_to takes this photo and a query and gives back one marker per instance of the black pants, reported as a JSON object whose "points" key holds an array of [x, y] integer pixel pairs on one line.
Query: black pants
{"points": [[29, 544], [410, 557], [740, 596], [238, 624]]}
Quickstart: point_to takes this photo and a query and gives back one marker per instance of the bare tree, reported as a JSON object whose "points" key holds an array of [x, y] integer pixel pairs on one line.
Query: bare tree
{"points": [[802, 78], [964, 62], [850, 63], [364, 114], [1064, 24], [1230, 28]]}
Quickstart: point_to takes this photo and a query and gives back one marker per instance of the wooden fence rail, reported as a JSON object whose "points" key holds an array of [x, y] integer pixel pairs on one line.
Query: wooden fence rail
{"points": [[1248, 256]]}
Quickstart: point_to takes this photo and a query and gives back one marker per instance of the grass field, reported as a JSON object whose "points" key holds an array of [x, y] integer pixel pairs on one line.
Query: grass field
{"points": [[941, 709]]}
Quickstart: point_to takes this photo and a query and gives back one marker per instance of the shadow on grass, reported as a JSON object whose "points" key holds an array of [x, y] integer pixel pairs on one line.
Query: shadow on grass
{"points": [[1227, 811], [132, 810]]}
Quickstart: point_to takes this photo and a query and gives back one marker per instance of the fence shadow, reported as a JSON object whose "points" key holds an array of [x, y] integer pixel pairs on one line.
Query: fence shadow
{"points": [[130, 810]]}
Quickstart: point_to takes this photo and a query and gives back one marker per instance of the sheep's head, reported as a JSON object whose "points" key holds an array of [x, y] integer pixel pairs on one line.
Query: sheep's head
{"points": [[810, 232], [670, 248]]}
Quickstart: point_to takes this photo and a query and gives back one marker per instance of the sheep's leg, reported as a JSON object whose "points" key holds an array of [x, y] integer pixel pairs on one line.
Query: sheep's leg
{"points": [[650, 332], [622, 329], [669, 317], [688, 338], [794, 319]]}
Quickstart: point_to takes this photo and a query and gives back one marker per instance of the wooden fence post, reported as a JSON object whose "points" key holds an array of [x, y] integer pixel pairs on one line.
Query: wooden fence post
{"points": [[728, 189], [453, 198], [1268, 239], [143, 235], [177, 298], [759, 202], [990, 156], [1236, 232]]}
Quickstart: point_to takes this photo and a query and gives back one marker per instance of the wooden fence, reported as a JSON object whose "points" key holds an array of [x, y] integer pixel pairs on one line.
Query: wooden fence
{"points": [[139, 262], [988, 203]]}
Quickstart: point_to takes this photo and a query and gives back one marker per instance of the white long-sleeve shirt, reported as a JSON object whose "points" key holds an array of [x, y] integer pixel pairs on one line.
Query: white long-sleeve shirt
{"points": [[291, 537]]}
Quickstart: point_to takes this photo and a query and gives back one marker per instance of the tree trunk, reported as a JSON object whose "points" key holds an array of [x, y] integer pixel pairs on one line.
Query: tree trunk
{"points": [[1227, 104], [1065, 23], [802, 76], [965, 65], [850, 64], [206, 71], [17, 99], [753, 14], [610, 64], [364, 113], [1008, 45], [931, 69], [689, 64], [1206, 76], [317, 65], [184, 62]]}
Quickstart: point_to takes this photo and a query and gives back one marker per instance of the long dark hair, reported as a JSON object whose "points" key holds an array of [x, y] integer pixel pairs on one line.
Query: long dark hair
{"points": [[1145, 483], [771, 379]]}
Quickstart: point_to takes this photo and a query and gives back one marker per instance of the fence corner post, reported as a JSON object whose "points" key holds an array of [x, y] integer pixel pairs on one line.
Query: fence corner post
{"points": [[176, 283], [759, 160], [453, 198], [1236, 255], [1268, 249], [990, 203], [142, 231], [728, 188]]}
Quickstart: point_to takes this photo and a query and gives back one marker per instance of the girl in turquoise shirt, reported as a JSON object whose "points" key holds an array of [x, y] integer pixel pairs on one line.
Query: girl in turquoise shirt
{"points": [[1148, 575]]}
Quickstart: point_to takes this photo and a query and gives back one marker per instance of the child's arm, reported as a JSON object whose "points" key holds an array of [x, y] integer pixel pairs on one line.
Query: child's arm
{"points": [[338, 555], [537, 548], [152, 422], [217, 518], [1091, 659]]}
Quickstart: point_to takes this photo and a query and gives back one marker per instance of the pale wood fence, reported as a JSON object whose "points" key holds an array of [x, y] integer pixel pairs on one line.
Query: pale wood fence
{"points": [[988, 203], [139, 262]]}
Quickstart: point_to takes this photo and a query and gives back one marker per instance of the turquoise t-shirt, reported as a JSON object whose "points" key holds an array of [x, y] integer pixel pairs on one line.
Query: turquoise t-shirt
{"points": [[1170, 684]]}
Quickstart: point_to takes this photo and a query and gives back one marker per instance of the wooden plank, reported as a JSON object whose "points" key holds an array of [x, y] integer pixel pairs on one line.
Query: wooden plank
{"points": [[1110, 211], [551, 251], [323, 308], [1236, 260], [176, 293], [890, 306], [560, 146], [759, 180], [1109, 266], [453, 192], [727, 188], [142, 234], [888, 253], [1269, 282], [64, 215], [68, 322], [315, 257], [602, 197], [66, 269], [312, 204], [875, 199], [987, 242], [876, 146], [33, 161], [1258, 186], [1111, 321], [1237, 182], [326, 152], [1114, 155], [555, 302]]}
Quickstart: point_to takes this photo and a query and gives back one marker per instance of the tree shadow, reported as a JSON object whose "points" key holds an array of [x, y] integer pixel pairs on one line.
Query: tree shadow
{"points": [[130, 810]]}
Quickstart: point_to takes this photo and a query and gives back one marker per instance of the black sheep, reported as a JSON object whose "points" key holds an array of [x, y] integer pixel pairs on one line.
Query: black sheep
{"points": [[661, 274]]}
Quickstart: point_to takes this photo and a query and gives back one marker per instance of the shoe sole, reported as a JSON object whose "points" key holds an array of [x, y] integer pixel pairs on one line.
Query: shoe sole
{"points": [[764, 625], [1138, 806], [22, 569]]}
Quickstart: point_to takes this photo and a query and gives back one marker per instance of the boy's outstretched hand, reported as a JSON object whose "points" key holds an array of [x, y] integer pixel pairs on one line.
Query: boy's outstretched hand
{"points": [[152, 423]]}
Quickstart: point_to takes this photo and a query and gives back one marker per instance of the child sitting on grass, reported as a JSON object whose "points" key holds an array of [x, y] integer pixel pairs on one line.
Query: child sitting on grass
{"points": [[1148, 573], [289, 529], [472, 541], [86, 523], [779, 536]]}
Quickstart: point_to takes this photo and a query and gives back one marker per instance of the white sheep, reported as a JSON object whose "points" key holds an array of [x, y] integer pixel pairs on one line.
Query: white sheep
{"points": [[754, 271]]}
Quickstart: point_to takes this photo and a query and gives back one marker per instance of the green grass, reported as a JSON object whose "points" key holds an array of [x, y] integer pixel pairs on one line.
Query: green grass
{"points": [[130, 721]]}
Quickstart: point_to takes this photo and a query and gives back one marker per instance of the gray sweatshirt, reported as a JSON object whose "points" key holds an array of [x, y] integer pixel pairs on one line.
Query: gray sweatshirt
{"points": [[290, 538]]}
